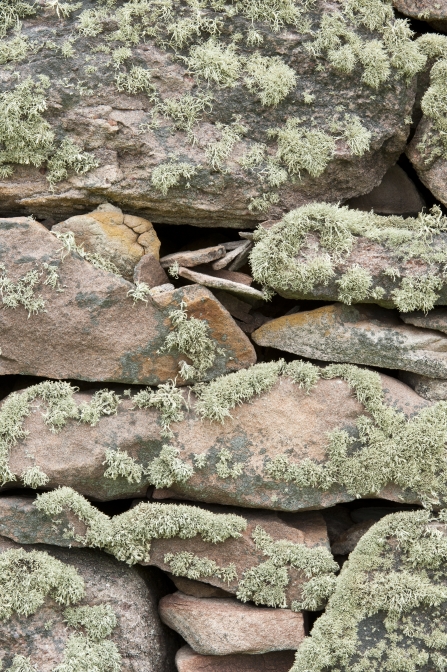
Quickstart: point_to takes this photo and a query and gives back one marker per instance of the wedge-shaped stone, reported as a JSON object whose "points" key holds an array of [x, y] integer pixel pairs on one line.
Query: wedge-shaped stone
{"points": [[221, 627], [359, 335], [88, 324], [125, 634]]}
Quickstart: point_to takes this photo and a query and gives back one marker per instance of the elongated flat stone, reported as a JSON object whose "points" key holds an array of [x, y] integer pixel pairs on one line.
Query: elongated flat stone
{"points": [[188, 660], [359, 335], [89, 326]]}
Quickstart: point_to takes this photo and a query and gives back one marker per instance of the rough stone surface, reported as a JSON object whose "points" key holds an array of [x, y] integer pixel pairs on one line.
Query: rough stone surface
{"points": [[347, 541], [298, 424], [432, 11], [434, 319], [220, 627], [149, 270], [23, 523], [360, 335], [191, 258], [431, 169], [432, 389], [118, 127], [188, 660], [143, 642], [92, 330], [395, 195], [222, 283], [122, 239]]}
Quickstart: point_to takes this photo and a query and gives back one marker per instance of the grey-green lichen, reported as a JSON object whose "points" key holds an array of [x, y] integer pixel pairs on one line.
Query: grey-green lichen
{"points": [[128, 537], [57, 405], [302, 251], [388, 611], [69, 245], [191, 337], [168, 399], [27, 579]]}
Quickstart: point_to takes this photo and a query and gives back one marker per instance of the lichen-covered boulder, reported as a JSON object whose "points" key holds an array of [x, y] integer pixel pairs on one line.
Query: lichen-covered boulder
{"points": [[334, 434], [121, 239], [359, 335], [79, 609], [65, 316], [212, 115], [333, 253], [221, 627], [257, 556], [389, 606]]}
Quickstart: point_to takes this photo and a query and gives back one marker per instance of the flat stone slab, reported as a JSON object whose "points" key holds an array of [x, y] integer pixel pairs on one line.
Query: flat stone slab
{"points": [[220, 627], [188, 660], [358, 335], [89, 327]]}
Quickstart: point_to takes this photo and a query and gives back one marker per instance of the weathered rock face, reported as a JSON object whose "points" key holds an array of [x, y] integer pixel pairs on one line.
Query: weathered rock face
{"points": [[390, 601], [122, 239], [244, 461], [395, 195], [435, 13], [222, 627], [22, 522], [433, 389], [435, 319], [359, 335], [333, 253], [164, 99], [139, 637], [188, 660], [89, 327], [431, 168]]}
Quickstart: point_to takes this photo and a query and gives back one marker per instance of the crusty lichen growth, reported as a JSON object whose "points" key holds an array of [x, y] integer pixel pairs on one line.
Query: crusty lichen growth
{"points": [[69, 246], [34, 477], [388, 611], [167, 175], [287, 257], [191, 337], [168, 468], [121, 464], [195, 567], [168, 399]]}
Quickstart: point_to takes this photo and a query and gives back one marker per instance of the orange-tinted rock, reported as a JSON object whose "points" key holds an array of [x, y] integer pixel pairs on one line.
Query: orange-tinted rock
{"points": [[142, 641], [188, 660], [93, 330], [221, 627], [121, 239]]}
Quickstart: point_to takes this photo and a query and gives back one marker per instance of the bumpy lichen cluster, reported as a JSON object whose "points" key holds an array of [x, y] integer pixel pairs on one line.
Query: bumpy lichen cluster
{"points": [[27, 579], [303, 250], [388, 611]]}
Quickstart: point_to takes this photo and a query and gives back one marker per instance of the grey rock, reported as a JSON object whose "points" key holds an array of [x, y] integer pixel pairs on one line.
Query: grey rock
{"points": [[395, 195], [188, 660], [432, 389]]}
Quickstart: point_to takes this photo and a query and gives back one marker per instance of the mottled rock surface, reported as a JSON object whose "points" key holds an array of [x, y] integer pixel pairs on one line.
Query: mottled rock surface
{"points": [[432, 11], [395, 195], [360, 335], [430, 166], [123, 117], [23, 523], [434, 319], [121, 239], [142, 641], [432, 389], [188, 660], [298, 427], [220, 627], [91, 329]]}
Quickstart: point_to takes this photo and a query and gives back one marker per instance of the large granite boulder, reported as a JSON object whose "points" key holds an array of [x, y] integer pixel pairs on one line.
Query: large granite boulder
{"points": [[333, 434], [207, 116], [232, 564], [69, 607], [64, 317], [359, 335], [333, 253], [389, 607], [222, 627]]}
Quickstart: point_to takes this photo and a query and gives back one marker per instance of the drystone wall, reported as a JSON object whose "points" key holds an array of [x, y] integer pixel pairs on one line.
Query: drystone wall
{"points": [[223, 336]]}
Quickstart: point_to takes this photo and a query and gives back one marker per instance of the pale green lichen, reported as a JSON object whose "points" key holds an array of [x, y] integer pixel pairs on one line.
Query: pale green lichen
{"points": [[287, 258], [191, 337], [218, 152], [21, 292], [168, 399], [81, 654], [121, 464], [167, 175], [197, 568], [137, 80], [168, 468], [215, 63], [388, 611], [97, 621], [69, 245], [302, 149], [223, 468], [34, 477], [140, 292], [270, 78], [69, 157]]}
